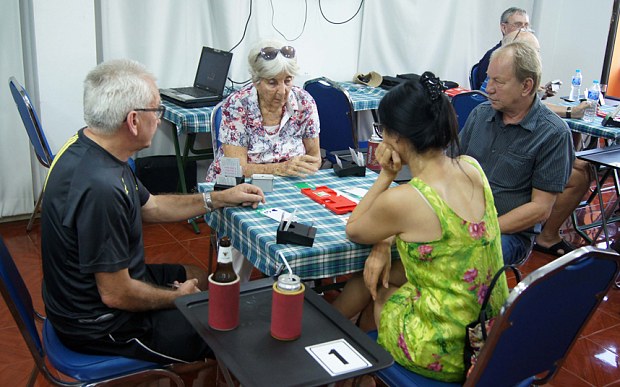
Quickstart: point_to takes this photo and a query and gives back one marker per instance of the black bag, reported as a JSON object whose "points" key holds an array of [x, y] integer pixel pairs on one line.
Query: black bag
{"points": [[160, 174], [476, 332]]}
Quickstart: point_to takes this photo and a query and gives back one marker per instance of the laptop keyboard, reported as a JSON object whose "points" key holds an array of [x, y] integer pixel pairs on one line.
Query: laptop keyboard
{"points": [[194, 91]]}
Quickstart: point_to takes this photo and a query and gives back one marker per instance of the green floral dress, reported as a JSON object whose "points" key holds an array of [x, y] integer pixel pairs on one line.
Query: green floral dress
{"points": [[423, 323]]}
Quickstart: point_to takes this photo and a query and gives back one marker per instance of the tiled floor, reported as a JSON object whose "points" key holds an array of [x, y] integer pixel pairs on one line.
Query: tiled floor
{"points": [[594, 360]]}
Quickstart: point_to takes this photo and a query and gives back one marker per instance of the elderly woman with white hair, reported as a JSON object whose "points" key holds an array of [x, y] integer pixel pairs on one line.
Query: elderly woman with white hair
{"points": [[270, 125]]}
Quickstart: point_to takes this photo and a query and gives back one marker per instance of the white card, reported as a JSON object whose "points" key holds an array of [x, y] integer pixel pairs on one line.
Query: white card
{"points": [[338, 357], [338, 161], [276, 214], [230, 166]]}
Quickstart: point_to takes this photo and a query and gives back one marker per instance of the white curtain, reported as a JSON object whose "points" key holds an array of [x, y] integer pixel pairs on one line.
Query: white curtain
{"points": [[16, 185]]}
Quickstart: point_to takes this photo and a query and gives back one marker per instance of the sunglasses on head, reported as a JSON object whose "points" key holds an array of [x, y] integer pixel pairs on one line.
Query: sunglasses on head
{"points": [[269, 53]]}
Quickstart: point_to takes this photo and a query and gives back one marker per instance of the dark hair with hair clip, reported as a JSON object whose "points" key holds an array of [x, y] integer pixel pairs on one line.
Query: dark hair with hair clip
{"points": [[420, 112], [434, 87]]}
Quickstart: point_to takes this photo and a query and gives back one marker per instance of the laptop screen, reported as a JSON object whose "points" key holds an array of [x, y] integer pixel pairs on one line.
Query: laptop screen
{"points": [[213, 70]]}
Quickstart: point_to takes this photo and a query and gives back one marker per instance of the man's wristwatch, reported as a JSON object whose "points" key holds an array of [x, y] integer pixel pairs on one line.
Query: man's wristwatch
{"points": [[569, 109], [206, 196]]}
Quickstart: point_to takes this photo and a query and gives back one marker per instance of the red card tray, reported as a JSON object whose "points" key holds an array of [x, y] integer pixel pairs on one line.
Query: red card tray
{"points": [[330, 199]]}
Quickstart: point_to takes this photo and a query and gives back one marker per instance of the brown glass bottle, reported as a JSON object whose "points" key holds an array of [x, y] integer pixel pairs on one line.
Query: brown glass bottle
{"points": [[224, 272]]}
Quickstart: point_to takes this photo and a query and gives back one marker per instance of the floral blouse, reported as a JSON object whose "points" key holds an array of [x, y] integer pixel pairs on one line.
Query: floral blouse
{"points": [[423, 323], [242, 125]]}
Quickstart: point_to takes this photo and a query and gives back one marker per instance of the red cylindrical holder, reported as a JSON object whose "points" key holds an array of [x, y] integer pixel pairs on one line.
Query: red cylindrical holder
{"points": [[223, 305], [371, 157], [286, 313]]}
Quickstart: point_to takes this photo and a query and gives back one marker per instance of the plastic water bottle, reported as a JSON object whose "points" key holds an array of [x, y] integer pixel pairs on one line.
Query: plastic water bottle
{"points": [[575, 86], [593, 94]]}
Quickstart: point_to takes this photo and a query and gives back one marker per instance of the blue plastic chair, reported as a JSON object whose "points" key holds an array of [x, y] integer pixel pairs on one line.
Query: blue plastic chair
{"points": [[35, 132], [338, 129], [473, 78], [87, 369], [537, 326], [216, 120], [465, 102]]}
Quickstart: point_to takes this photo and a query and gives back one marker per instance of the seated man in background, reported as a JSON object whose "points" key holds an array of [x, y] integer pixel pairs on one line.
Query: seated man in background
{"points": [[544, 91], [525, 150], [512, 19], [100, 295]]}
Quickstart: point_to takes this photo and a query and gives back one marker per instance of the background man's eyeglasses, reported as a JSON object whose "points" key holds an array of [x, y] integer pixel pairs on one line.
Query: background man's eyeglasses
{"points": [[519, 25], [269, 53], [378, 128], [159, 111]]}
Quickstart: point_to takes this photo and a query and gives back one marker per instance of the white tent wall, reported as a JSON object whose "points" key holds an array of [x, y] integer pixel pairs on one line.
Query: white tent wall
{"points": [[388, 36], [16, 190]]}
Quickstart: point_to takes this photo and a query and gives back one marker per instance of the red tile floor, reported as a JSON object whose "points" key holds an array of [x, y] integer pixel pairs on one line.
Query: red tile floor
{"points": [[593, 361]]}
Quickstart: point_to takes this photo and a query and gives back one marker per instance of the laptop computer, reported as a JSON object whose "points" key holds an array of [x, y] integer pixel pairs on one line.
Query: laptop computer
{"points": [[209, 83]]}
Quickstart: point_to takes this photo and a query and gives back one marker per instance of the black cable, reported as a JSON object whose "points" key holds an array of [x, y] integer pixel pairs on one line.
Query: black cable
{"points": [[245, 29], [302, 28], [343, 22]]}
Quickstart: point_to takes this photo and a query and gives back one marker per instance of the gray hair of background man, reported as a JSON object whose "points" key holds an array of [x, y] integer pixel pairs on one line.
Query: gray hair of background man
{"points": [[525, 62], [268, 69], [112, 90], [509, 12]]}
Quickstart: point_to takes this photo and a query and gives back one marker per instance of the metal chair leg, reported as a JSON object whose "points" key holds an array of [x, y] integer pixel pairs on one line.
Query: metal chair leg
{"points": [[37, 207]]}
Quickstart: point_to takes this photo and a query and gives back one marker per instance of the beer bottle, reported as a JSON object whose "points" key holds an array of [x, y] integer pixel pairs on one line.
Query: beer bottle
{"points": [[224, 271]]}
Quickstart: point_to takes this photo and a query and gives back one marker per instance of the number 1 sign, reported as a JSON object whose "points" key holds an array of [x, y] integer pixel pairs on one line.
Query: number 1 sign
{"points": [[337, 357]]}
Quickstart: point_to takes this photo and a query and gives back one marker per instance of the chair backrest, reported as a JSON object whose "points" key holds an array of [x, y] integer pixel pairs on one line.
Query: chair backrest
{"points": [[338, 129], [18, 300], [464, 103], [216, 120], [31, 123], [473, 78], [543, 317]]}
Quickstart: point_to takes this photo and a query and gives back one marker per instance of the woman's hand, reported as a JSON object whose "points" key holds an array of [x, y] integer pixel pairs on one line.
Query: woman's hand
{"points": [[389, 160], [299, 166], [378, 265]]}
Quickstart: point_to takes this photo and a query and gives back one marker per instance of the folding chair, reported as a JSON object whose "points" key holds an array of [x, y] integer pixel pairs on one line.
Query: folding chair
{"points": [[539, 323], [338, 128], [34, 129], [464, 103], [89, 370]]}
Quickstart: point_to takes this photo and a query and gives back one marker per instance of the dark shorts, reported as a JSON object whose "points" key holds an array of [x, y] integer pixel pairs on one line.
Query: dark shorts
{"points": [[161, 336]]}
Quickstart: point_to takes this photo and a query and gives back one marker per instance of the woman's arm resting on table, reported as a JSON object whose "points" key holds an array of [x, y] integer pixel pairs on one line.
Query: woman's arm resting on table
{"points": [[300, 166]]}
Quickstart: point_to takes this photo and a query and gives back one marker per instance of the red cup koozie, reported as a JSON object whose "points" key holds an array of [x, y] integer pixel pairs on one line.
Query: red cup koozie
{"points": [[286, 313], [223, 305]]}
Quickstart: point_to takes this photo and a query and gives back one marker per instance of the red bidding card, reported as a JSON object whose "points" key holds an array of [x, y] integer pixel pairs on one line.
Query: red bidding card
{"points": [[330, 199]]}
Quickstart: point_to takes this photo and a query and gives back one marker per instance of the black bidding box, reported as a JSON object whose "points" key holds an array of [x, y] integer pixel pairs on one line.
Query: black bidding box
{"points": [[349, 168], [297, 234], [222, 187]]}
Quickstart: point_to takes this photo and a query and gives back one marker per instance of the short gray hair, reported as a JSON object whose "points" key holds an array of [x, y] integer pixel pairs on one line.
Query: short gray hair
{"points": [[112, 90], [526, 61], [268, 69], [511, 11]]}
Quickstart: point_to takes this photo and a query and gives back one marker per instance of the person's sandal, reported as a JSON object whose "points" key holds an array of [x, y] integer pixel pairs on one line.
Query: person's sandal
{"points": [[558, 249]]}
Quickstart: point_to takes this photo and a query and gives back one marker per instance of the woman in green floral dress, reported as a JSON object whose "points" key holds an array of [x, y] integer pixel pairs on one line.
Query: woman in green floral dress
{"points": [[445, 227]]}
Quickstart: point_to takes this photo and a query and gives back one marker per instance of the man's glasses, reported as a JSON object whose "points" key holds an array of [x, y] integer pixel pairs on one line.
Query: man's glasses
{"points": [[159, 111], [269, 53], [519, 25], [378, 128]]}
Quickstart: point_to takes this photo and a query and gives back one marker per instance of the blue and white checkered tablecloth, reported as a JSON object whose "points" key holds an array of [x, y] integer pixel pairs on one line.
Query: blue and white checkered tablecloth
{"points": [[254, 234], [363, 97], [194, 120], [594, 128]]}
